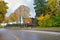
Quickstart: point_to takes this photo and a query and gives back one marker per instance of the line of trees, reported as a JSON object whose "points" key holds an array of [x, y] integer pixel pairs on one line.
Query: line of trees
{"points": [[47, 12]]}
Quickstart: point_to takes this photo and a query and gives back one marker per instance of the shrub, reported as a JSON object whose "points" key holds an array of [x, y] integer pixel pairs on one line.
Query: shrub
{"points": [[1, 26], [53, 21]]}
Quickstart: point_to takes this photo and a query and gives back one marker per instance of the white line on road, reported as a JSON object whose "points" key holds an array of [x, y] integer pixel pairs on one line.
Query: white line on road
{"points": [[35, 31], [16, 37]]}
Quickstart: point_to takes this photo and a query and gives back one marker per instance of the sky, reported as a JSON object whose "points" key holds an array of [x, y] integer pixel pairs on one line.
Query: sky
{"points": [[14, 4]]}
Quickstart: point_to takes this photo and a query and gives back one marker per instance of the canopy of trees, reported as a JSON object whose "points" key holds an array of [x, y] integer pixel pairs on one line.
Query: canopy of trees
{"points": [[47, 12], [40, 7], [13, 17], [3, 10]]}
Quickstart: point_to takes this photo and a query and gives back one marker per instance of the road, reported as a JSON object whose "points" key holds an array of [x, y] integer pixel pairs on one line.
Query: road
{"points": [[7, 34]]}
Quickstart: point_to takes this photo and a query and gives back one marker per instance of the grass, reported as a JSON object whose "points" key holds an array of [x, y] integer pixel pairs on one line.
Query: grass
{"points": [[1, 26], [48, 28]]}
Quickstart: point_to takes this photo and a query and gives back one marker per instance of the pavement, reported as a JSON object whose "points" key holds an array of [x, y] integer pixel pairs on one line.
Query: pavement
{"points": [[7, 34]]}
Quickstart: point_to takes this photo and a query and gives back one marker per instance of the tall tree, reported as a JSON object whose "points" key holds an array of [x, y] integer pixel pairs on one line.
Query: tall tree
{"points": [[3, 10], [40, 7], [52, 11], [53, 6]]}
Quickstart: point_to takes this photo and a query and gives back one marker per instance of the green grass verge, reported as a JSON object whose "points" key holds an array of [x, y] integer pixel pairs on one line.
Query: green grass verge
{"points": [[47, 28], [1, 26]]}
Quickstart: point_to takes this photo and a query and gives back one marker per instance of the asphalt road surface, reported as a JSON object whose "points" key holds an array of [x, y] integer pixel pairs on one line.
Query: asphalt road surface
{"points": [[6, 34]]}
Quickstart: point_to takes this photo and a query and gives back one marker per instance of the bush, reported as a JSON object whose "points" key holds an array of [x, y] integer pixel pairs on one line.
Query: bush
{"points": [[54, 21], [1, 26]]}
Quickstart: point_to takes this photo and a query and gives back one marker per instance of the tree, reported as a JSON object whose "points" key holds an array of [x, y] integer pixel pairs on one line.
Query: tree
{"points": [[6, 20], [52, 13], [22, 12], [49, 6], [3, 10], [40, 7], [13, 17], [1, 18], [53, 6]]}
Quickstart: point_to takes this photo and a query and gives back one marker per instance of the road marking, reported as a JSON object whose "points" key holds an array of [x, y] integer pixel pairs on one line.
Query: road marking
{"points": [[17, 38], [35, 31], [14, 36]]}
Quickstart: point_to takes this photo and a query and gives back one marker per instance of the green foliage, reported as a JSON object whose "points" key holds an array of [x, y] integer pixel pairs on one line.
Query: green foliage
{"points": [[3, 10], [13, 17], [40, 7], [57, 21], [35, 22], [54, 21], [1, 26], [48, 12], [3, 7]]}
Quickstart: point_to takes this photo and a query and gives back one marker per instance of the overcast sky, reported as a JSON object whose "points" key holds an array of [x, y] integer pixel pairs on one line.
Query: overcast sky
{"points": [[14, 4]]}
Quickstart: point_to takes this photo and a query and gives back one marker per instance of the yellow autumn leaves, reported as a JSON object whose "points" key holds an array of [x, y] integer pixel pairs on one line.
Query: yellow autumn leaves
{"points": [[3, 10], [13, 17], [3, 7], [52, 9], [42, 18]]}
